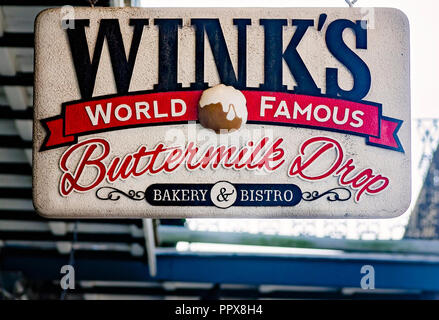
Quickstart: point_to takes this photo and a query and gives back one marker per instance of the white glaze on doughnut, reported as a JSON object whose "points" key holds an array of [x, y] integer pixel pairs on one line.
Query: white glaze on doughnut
{"points": [[228, 96]]}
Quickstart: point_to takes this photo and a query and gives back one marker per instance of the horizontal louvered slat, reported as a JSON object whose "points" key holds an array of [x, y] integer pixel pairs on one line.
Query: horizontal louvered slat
{"points": [[15, 168], [33, 216], [6, 112], [14, 141], [54, 3], [20, 79], [87, 237], [17, 40]]}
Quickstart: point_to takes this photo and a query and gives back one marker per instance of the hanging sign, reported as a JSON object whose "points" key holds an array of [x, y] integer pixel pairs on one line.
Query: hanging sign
{"points": [[243, 112]]}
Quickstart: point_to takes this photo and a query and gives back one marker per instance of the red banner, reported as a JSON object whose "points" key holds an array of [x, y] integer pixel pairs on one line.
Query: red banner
{"points": [[273, 108]]}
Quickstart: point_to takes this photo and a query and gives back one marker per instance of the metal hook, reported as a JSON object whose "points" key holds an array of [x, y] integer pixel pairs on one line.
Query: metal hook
{"points": [[93, 2], [351, 2]]}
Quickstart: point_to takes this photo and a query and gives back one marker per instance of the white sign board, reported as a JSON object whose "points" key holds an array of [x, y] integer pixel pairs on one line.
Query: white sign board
{"points": [[243, 112]]}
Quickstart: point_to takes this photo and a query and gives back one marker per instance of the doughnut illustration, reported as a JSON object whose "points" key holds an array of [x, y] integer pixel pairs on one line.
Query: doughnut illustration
{"points": [[222, 108]]}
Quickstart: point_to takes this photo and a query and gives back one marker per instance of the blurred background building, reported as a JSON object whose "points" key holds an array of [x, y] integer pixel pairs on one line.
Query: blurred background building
{"points": [[198, 258]]}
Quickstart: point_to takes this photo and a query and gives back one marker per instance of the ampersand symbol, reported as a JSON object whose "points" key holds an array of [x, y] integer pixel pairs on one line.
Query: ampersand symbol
{"points": [[223, 196]]}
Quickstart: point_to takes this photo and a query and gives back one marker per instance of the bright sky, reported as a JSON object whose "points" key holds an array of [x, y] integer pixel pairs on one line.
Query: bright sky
{"points": [[424, 66]]}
